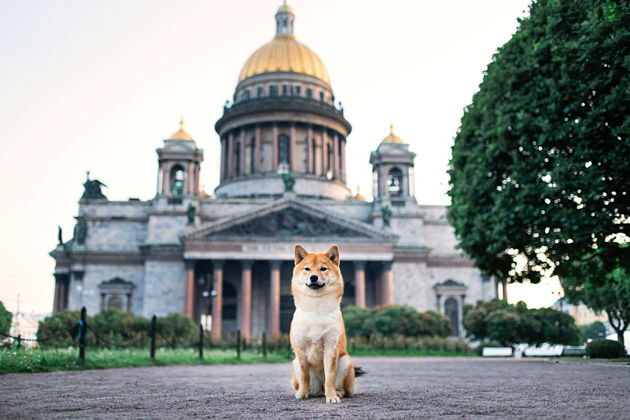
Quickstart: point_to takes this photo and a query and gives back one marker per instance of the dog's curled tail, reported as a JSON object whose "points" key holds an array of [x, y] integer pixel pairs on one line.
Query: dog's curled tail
{"points": [[358, 371]]}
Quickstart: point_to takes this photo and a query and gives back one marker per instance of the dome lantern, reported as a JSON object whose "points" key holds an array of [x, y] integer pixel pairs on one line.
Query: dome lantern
{"points": [[284, 21]]}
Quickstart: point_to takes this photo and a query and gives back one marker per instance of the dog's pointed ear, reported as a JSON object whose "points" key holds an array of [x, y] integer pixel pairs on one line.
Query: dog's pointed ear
{"points": [[333, 254], [300, 254]]}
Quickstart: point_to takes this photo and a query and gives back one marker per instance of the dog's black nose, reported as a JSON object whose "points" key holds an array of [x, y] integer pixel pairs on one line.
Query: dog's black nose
{"points": [[313, 278]]}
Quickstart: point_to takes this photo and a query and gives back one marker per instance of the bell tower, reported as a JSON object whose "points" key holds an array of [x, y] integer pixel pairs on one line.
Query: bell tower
{"points": [[179, 163], [392, 168]]}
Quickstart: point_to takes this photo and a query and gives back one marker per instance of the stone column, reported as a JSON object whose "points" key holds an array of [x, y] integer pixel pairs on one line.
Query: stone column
{"points": [[57, 295], [274, 299], [166, 178], [246, 300], [217, 300], [309, 140], [336, 156], [343, 159], [230, 156], [243, 156], [388, 284], [382, 181], [293, 149], [197, 178], [223, 162], [324, 153], [189, 289], [258, 148], [359, 283], [189, 179], [274, 152]]}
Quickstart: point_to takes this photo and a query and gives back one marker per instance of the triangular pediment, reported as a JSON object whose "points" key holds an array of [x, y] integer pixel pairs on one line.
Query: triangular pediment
{"points": [[286, 219]]}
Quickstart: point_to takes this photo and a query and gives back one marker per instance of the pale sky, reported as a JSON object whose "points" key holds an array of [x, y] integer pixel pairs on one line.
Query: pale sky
{"points": [[94, 85]]}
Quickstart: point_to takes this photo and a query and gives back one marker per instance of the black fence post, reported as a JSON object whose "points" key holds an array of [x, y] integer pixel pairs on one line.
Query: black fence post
{"points": [[153, 333], [200, 341], [18, 341], [82, 335], [264, 345], [238, 344]]}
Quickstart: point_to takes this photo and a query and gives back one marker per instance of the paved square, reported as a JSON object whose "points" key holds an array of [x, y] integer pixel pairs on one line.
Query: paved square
{"points": [[393, 388]]}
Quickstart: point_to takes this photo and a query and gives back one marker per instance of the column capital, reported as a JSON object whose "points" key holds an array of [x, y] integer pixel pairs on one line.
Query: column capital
{"points": [[387, 265], [275, 264], [247, 264], [217, 264], [190, 264], [359, 265]]}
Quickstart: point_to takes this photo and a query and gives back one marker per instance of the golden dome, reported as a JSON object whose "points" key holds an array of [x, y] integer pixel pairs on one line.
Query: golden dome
{"points": [[180, 134], [284, 53], [392, 138]]}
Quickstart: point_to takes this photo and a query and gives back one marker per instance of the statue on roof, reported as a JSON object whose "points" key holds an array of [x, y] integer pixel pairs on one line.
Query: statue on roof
{"points": [[92, 189]]}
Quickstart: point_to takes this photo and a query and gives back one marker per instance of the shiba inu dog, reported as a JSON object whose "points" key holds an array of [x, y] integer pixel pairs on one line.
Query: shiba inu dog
{"points": [[322, 365]]}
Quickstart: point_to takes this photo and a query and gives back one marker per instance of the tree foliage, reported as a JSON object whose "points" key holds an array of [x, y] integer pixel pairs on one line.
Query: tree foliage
{"points": [[5, 319], [595, 330], [540, 164], [512, 324], [394, 320], [601, 289]]}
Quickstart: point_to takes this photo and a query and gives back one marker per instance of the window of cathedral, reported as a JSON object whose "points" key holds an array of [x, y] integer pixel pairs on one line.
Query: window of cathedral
{"points": [[245, 94], [329, 160], [177, 180], [309, 92], [298, 91], [394, 182], [273, 90], [285, 90], [321, 96], [237, 159], [259, 91], [284, 149]]}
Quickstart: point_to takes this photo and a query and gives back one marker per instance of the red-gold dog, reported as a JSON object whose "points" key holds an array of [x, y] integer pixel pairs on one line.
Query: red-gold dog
{"points": [[318, 336]]}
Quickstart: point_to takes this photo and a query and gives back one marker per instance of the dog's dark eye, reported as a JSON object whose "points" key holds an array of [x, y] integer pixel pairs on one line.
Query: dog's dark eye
{"points": [[307, 269], [323, 269]]}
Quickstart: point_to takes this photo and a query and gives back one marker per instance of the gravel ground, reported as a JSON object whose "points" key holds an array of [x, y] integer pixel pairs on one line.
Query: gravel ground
{"points": [[393, 388]]}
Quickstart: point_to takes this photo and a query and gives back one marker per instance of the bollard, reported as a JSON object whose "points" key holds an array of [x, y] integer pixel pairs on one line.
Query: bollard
{"points": [[238, 344], [153, 333], [200, 341], [264, 345], [82, 335]]}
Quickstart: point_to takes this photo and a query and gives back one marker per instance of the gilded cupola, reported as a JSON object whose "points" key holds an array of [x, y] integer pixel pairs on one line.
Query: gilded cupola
{"points": [[284, 53]]}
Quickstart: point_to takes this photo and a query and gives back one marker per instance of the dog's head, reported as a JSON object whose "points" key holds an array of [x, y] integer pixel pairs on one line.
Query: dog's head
{"points": [[317, 274]]}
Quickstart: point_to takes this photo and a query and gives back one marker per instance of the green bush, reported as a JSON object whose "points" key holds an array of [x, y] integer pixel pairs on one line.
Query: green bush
{"points": [[393, 320], [54, 330], [605, 349], [176, 329], [115, 328]]}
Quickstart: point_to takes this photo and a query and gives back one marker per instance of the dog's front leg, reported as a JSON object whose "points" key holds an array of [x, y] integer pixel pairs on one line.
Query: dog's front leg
{"points": [[304, 380], [330, 371]]}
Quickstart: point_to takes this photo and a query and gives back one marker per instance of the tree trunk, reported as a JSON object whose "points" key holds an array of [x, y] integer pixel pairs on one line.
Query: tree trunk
{"points": [[621, 340], [504, 287]]}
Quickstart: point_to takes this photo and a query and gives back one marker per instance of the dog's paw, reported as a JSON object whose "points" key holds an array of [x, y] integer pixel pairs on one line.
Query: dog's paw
{"points": [[340, 394], [301, 395], [334, 399]]}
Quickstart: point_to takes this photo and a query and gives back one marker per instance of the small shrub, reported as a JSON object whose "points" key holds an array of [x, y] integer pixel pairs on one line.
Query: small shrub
{"points": [[389, 321], [605, 349]]}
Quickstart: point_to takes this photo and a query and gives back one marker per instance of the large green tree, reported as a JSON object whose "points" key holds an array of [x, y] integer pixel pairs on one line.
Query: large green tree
{"points": [[5, 320], [540, 165]]}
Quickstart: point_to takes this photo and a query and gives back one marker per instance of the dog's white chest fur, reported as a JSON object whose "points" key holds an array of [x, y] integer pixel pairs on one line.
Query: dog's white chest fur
{"points": [[316, 331]]}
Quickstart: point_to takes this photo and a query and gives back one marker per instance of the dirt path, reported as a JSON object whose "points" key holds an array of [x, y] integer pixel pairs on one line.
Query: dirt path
{"points": [[393, 388]]}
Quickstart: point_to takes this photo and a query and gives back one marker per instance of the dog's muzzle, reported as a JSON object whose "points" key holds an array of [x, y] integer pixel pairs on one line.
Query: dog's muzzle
{"points": [[313, 282]]}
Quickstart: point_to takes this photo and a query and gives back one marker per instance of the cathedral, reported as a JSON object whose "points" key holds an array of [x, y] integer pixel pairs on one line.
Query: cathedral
{"points": [[228, 257]]}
